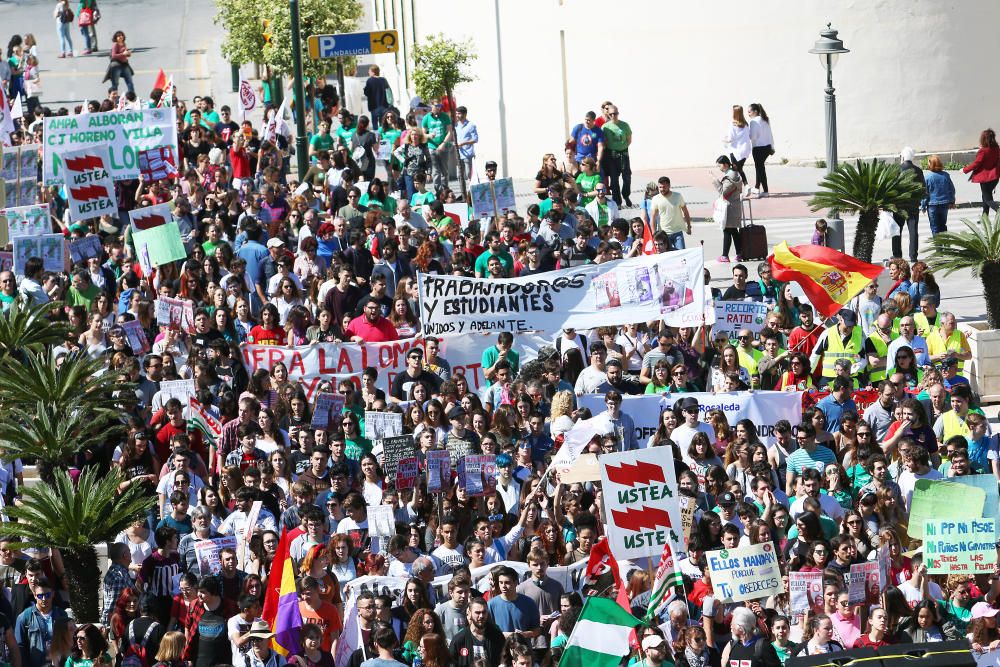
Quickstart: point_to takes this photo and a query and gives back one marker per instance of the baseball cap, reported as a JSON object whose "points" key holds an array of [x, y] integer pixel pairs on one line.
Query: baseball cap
{"points": [[727, 499], [849, 316], [456, 412], [652, 641], [983, 610], [275, 243], [688, 402]]}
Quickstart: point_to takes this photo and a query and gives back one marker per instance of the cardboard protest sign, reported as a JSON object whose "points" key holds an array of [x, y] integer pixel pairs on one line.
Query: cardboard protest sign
{"points": [[805, 592], [639, 496], [394, 450], [731, 316], [438, 470], [150, 216], [208, 553], [960, 546], [157, 164], [380, 425], [163, 243], [763, 408], [644, 288], [745, 573], [6, 261], [485, 194], [27, 220], [89, 188], [117, 135], [85, 248], [585, 469], [136, 337], [407, 473], [942, 499], [863, 583], [688, 506], [477, 474], [182, 390], [50, 248], [312, 364], [328, 407], [381, 521]]}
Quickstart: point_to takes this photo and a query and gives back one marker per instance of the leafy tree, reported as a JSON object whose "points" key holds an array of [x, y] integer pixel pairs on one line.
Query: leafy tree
{"points": [[74, 519], [978, 249], [866, 188], [55, 410], [25, 327], [245, 43], [439, 66]]}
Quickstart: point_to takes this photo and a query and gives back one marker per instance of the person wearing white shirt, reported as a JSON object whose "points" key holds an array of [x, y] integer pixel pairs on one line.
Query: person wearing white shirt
{"points": [[809, 485], [682, 435], [763, 145], [594, 375], [737, 141], [917, 466], [238, 523], [907, 338]]}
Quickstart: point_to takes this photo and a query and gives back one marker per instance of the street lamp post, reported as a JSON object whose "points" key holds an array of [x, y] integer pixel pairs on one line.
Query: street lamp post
{"points": [[829, 48], [301, 143]]}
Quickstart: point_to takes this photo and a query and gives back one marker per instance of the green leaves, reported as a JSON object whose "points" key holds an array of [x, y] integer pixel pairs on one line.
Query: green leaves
{"points": [[440, 65], [865, 188], [976, 249], [72, 518], [868, 186], [53, 411], [245, 43], [24, 327]]}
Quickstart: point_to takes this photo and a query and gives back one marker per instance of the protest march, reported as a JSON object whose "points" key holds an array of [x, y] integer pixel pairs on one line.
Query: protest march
{"points": [[372, 415]]}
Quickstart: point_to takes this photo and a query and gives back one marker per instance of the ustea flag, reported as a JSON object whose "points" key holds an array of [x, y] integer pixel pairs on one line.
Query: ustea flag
{"points": [[828, 277]]}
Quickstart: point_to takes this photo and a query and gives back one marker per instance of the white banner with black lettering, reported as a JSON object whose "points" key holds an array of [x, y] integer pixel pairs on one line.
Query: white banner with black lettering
{"points": [[763, 408], [668, 286]]}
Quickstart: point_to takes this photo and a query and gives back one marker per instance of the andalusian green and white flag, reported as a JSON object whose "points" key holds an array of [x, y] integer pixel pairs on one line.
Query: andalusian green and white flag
{"points": [[202, 420], [600, 638], [667, 578]]}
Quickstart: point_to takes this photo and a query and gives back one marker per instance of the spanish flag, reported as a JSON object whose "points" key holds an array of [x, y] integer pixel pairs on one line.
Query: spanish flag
{"points": [[828, 277], [281, 601]]}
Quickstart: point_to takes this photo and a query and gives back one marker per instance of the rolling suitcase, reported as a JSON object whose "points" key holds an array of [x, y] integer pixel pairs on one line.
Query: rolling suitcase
{"points": [[752, 237]]}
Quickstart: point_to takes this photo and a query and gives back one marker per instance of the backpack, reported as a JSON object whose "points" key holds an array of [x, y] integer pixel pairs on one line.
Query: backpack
{"points": [[583, 343], [67, 15], [135, 655]]}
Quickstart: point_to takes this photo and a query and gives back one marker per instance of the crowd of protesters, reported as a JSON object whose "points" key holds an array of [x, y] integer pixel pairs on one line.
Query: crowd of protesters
{"points": [[332, 255]]}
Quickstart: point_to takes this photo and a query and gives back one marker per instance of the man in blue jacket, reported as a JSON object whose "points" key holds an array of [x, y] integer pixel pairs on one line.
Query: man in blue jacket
{"points": [[33, 629]]}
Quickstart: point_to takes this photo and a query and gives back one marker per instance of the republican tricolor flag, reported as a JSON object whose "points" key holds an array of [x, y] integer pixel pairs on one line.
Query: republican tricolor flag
{"points": [[281, 601], [828, 277]]}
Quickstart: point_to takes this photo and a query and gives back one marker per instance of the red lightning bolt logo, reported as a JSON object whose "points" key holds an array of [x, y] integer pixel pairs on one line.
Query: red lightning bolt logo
{"points": [[88, 192], [148, 221], [639, 473], [644, 518], [84, 163]]}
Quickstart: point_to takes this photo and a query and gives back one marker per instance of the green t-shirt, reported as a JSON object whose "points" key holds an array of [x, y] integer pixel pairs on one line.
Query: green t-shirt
{"points": [[345, 134], [355, 449], [616, 135], [210, 247], [75, 297], [603, 216], [587, 184], [321, 142], [418, 199], [387, 205], [503, 255], [491, 354], [436, 129]]}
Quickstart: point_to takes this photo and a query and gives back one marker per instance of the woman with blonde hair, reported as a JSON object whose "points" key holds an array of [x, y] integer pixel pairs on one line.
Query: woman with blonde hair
{"points": [[171, 648], [547, 175], [737, 141], [562, 412]]}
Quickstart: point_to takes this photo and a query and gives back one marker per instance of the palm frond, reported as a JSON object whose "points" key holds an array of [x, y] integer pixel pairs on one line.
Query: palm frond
{"points": [[50, 437], [23, 327], [78, 382], [74, 518], [867, 186], [976, 249]]}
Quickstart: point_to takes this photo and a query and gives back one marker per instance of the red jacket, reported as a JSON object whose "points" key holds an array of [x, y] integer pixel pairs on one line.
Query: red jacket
{"points": [[986, 166]]}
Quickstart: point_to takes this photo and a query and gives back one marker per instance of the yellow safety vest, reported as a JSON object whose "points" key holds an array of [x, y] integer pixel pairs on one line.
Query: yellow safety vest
{"points": [[749, 361], [835, 349], [883, 349], [937, 345], [924, 327], [954, 425]]}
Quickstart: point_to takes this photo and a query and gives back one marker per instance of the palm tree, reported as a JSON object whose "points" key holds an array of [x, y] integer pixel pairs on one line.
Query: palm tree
{"points": [[977, 249], [74, 519], [55, 409], [866, 188], [23, 327]]}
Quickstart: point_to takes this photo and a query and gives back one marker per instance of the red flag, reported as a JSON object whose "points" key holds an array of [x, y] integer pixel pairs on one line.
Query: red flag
{"points": [[648, 247], [161, 80], [829, 278], [601, 558]]}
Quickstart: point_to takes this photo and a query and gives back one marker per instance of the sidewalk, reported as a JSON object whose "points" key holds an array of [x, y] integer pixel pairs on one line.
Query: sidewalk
{"points": [[791, 189]]}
